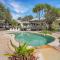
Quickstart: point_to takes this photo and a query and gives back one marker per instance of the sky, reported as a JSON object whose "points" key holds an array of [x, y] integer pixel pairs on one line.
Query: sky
{"points": [[21, 8]]}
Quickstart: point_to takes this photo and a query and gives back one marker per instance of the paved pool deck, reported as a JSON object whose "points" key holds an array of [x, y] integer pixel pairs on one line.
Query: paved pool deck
{"points": [[48, 52], [4, 40]]}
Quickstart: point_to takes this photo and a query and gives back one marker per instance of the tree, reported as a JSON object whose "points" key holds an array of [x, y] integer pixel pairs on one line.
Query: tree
{"points": [[5, 14], [51, 15], [27, 18], [19, 18], [14, 23], [8, 16], [2, 11], [37, 9]]}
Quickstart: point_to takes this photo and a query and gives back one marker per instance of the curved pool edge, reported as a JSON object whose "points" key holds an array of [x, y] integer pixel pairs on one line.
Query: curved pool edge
{"points": [[54, 43], [15, 43], [51, 43]]}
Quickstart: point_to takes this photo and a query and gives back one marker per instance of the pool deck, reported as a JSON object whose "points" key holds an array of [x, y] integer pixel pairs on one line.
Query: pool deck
{"points": [[48, 52], [4, 40]]}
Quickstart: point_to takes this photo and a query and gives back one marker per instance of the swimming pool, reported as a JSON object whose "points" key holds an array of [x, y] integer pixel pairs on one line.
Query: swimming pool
{"points": [[33, 39]]}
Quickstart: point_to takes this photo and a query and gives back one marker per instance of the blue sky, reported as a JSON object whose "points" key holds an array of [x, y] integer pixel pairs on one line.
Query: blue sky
{"points": [[21, 8]]}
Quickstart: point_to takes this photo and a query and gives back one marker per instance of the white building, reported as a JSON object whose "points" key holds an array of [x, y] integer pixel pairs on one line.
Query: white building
{"points": [[33, 24]]}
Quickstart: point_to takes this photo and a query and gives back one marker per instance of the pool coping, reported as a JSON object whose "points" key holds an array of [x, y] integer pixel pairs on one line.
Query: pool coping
{"points": [[16, 43], [54, 43]]}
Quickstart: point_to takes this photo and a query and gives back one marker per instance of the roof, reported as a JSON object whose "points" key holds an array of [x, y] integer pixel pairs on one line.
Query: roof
{"points": [[38, 19]]}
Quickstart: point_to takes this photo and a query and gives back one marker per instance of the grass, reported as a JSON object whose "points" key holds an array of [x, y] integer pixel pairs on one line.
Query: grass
{"points": [[46, 32]]}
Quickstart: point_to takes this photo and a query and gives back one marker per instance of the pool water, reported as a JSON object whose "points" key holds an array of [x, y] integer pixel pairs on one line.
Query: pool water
{"points": [[33, 39]]}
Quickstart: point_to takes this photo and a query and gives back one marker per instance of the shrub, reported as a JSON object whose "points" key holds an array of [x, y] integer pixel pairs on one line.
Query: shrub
{"points": [[22, 53], [46, 32]]}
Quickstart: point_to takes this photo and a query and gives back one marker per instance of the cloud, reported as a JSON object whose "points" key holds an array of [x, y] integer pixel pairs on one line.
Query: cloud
{"points": [[18, 8], [2, 1], [15, 15]]}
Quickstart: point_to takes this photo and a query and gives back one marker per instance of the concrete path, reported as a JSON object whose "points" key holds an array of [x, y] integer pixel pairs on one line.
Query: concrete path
{"points": [[4, 39], [50, 53]]}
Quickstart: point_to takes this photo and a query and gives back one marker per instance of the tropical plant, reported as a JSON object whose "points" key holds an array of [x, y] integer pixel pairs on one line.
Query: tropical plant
{"points": [[22, 53]]}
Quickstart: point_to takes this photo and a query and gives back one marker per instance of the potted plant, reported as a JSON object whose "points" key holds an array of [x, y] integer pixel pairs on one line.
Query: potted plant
{"points": [[22, 53]]}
